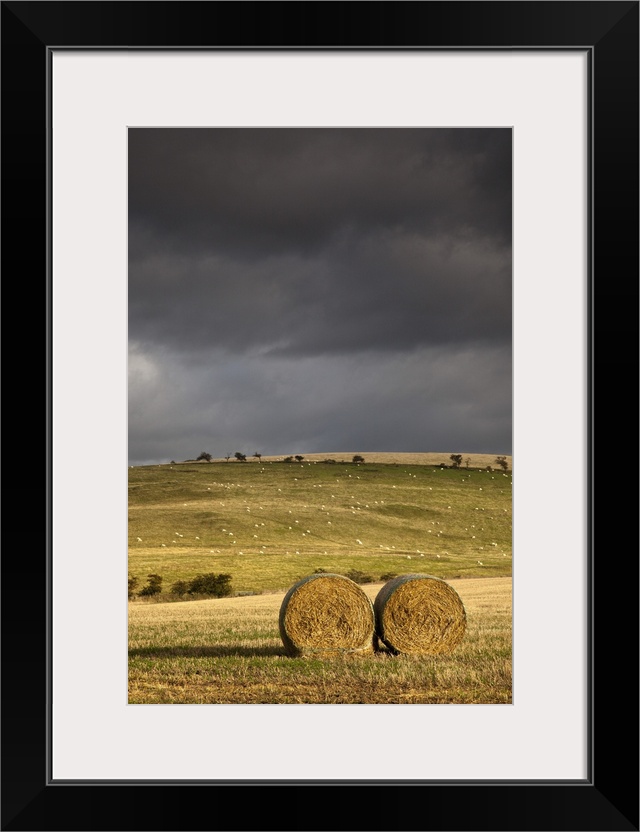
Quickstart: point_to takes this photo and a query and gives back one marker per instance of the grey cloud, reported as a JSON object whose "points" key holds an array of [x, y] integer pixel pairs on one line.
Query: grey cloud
{"points": [[386, 292], [322, 289], [269, 190], [426, 400]]}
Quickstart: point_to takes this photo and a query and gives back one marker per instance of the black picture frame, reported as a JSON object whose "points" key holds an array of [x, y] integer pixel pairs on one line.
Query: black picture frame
{"points": [[608, 798]]}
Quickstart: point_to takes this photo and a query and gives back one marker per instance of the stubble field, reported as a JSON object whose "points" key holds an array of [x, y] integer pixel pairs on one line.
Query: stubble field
{"points": [[228, 651]]}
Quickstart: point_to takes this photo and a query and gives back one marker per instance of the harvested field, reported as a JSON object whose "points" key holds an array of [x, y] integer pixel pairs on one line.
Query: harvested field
{"points": [[229, 651], [269, 526]]}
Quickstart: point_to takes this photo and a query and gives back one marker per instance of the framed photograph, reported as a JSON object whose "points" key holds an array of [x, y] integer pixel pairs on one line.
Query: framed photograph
{"points": [[109, 108]]}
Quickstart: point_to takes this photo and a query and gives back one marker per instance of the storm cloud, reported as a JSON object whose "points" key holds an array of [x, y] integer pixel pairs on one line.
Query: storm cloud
{"points": [[327, 289]]}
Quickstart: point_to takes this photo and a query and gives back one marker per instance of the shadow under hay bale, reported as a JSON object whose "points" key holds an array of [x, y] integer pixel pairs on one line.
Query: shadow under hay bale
{"points": [[419, 614], [326, 614]]}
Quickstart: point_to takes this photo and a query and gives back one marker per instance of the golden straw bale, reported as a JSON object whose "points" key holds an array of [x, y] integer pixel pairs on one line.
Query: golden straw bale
{"points": [[326, 614], [419, 614]]}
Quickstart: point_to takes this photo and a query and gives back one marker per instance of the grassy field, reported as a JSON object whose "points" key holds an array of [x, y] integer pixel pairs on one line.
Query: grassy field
{"points": [[228, 651], [269, 524]]}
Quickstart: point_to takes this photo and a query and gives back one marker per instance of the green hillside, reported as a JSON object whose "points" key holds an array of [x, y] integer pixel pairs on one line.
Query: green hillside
{"points": [[270, 523]]}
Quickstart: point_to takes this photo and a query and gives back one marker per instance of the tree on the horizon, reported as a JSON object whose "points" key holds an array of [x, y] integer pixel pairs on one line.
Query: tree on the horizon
{"points": [[299, 457], [240, 457], [456, 459], [205, 456], [258, 456], [502, 462]]}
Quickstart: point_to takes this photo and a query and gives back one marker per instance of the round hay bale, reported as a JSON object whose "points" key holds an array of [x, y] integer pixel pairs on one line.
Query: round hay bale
{"points": [[419, 614], [326, 614]]}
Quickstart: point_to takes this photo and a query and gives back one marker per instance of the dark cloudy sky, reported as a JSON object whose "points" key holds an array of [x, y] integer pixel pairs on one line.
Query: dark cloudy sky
{"points": [[319, 290]]}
